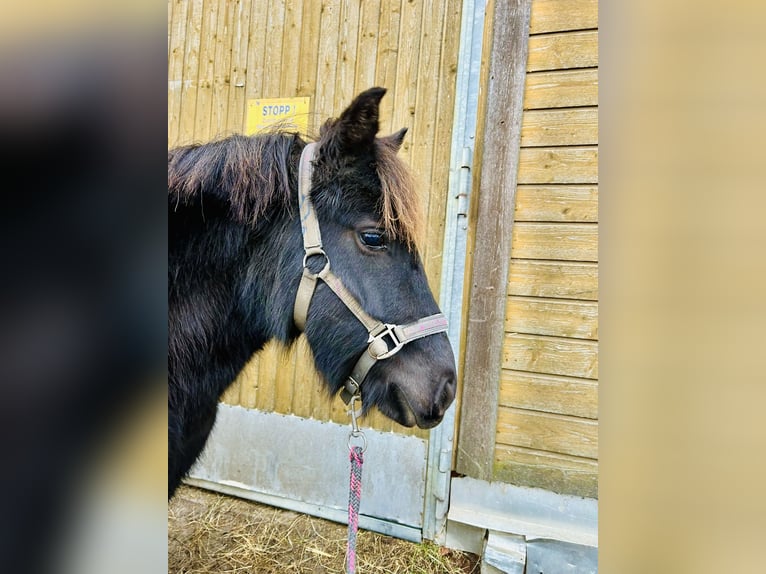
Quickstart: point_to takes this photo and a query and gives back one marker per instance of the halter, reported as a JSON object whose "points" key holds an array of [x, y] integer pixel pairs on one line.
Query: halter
{"points": [[384, 339]]}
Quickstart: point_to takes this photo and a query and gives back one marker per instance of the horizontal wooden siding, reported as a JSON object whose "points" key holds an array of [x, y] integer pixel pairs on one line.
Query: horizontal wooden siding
{"points": [[547, 430]]}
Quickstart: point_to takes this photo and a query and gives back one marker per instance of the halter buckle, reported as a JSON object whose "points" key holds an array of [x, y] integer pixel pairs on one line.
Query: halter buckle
{"points": [[388, 331]]}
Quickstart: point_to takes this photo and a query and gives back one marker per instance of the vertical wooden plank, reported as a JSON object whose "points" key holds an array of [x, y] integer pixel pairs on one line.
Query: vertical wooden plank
{"points": [[222, 68], [291, 48], [320, 405], [170, 22], [405, 94], [188, 103], [324, 106], [178, 27], [302, 381], [348, 40], [248, 383], [339, 413], [386, 63], [309, 52], [500, 138], [425, 123], [283, 383], [267, 374], [256, 51], [206, 67], [327, 60], [273, 63], [238, 73], [369, 23], [438, 184], [424, 110]]}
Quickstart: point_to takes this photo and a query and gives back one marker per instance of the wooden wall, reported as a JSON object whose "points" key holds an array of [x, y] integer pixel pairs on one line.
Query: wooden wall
{"points": [[547, 422], [223, 52]]}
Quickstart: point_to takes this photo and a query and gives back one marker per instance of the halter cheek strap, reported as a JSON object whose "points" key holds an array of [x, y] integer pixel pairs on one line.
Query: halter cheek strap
{"points": [[384, 340]]}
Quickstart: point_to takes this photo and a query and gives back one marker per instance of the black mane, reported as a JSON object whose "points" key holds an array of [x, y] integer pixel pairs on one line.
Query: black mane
{"points": [[252, 174]]}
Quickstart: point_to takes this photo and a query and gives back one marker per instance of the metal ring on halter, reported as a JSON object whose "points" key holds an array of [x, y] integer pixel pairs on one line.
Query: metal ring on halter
{"points": [[357, 434], [311, 252]]}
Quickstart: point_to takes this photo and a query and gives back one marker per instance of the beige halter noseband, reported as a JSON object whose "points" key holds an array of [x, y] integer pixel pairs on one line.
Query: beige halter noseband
{"points": [[379, 334]]}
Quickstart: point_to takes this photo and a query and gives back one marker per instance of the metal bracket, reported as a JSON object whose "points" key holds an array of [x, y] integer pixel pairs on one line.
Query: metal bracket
{"points": [[464, 185]]}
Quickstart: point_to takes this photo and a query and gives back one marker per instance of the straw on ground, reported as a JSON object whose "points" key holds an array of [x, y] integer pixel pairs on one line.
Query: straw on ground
{"points": [[209, 532]]}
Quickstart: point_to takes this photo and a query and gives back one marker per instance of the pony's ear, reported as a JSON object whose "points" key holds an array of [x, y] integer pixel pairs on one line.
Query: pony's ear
{"points": [[356, 127], [394, 141]]}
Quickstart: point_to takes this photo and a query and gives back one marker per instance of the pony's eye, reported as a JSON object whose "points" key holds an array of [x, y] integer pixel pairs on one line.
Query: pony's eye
{"points": [[373, 239]]}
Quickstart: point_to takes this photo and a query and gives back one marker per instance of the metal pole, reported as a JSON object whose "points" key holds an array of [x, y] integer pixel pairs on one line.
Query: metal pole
{"points": [[441, 440]]}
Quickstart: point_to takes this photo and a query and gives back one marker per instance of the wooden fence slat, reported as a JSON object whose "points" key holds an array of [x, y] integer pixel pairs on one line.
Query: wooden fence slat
{"points": [[554, 317], [327, 60], [206, 70], [267, 375], [555, 472], [366, 57], [557, 127], [560, 15], [303, 379], [170, 26], [424, 136], [284, 386], [224, 44], [387, 59], [348, 39], [553, 203], [567, 280], [440, 142], [238, 74], [552, 433], [188, 104], [309, 53], [272, 69], [561, 89], [248, 383], [176, 50], [405, 97], [549, 393], [291, 49], [563, 51], [551, 355], [559, 241], [256, 52]]}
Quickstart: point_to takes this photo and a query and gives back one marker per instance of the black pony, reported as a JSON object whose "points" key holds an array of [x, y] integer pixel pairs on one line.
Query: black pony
{"points": [[236, 260]]}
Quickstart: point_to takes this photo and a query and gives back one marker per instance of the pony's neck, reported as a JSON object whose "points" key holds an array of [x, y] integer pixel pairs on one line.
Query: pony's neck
{"points": [[232, 285]]}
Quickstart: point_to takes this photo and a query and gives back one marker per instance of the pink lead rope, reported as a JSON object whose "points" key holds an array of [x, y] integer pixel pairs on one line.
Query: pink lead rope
{"points": [[356, 456]]}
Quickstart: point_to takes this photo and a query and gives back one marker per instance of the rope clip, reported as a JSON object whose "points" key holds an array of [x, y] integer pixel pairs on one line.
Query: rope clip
{"points": [[355, 413]]}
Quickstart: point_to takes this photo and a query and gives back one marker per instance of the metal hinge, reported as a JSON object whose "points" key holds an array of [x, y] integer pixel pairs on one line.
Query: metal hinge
{"points": [[464, 185]]}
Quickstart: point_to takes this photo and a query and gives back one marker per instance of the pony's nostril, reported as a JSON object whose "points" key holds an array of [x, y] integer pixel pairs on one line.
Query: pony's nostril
{"points": [[449, 384], [446, 394]]}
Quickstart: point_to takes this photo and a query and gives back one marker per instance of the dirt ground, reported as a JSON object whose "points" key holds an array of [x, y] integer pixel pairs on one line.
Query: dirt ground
{"points": [[210, 532]]}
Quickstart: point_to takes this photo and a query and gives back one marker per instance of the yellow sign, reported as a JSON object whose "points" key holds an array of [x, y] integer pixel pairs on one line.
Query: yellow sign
{"points": [[291, 114]]}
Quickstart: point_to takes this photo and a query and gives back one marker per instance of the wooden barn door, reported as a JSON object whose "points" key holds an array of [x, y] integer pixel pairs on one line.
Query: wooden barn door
{"points": [[279, 438]]}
